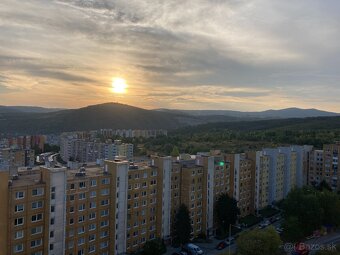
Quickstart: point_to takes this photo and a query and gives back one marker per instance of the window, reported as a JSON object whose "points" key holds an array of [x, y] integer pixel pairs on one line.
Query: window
{"points": [[92, 216], [81, 230], [105, 181], [70, 244], [18, 248], [104, 213], [104, 202], [36, 243], [92, 237], [53, 208], [93, 194], [36, 230], [19, 208], [81, 207], [18, 221], [92, 248], [37, 192], [37, 253], [51, 234], [81, 218], [104, 244], [81, 241], [19, 234], [82, 196], [93, 183], [104, 234], [82, 185], [105, 192], [92, 204], [37, 204], [19, 194], [92, 227], [71, 233], [104, 223], [52, 221], [71, 197], [37, 217], [72, 186]]}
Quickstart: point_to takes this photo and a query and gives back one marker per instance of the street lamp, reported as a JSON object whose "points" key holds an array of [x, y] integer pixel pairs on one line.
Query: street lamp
{"points": [[231, 225]]}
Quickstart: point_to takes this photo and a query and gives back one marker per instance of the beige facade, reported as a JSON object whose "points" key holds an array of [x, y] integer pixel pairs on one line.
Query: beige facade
{"points": [[315, 169], [331, 165], [243, 168]]}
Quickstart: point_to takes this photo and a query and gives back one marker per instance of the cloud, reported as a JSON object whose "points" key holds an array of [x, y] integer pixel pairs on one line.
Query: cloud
{"points": [[264, 49]]}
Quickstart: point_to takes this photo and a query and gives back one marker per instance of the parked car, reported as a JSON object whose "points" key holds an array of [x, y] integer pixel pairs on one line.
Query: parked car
{"points": [[192, 249], [230, 240], [279, 230], [222, 245], [180, 253], [264, 224]]}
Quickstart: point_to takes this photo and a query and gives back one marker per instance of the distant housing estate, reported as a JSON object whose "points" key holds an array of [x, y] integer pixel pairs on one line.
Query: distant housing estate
{"points": [[74, 147]]}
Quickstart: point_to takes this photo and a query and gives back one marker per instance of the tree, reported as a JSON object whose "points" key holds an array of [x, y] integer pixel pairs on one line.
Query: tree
{"points": [[182, 226], [154, 247], [226, 212], [330, 204], [175, 152], [303, 204], [323, 186], [293, 231], [259, 242]]}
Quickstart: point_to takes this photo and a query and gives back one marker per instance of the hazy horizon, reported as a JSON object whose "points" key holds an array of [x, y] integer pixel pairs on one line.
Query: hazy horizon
{"points": [[212, 55], [174, 109]]}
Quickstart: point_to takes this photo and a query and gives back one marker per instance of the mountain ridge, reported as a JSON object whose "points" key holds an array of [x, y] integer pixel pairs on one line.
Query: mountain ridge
{"points": [[121, 116]]}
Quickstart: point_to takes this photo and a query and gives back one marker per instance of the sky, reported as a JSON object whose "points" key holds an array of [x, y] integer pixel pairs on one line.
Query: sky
{"points": [[247, 55]]}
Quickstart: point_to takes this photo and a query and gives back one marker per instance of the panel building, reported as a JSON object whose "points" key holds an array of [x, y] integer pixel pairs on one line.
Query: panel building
{"points": [[331, 165], [95, 210]]}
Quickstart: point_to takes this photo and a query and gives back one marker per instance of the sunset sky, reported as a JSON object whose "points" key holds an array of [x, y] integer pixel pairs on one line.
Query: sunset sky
{"points": [[184, 54]]}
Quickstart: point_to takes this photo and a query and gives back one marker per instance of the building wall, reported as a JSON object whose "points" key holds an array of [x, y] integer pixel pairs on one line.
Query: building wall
{"points": [[4, 217], [331, 165], [315, 167]]}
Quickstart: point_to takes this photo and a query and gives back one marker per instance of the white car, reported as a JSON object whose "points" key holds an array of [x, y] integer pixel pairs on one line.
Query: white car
{"points": [[193, 249], [264, 224]]}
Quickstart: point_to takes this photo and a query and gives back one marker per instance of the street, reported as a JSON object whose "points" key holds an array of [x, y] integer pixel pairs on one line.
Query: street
{"points": [[209, 248]]}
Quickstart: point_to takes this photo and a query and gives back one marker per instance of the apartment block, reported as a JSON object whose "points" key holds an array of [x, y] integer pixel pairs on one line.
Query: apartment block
{"points": [[94, 210], [14, 158], [315, 170], [82, 148], [192, 184], [331, 165], [278, 171], [243, 183]]}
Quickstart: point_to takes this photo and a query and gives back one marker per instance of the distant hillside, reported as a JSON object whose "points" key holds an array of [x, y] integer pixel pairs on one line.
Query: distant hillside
{"points": [[269, 114], [35, 120], [109, 115], [27, 109], [291, 124]]}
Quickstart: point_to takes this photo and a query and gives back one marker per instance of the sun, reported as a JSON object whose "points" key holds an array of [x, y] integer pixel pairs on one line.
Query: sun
{"points": [[119, 85]]}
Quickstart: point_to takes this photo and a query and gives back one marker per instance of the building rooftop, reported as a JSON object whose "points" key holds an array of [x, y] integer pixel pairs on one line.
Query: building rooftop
{"points": [[91, 171], [25, 178]]}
